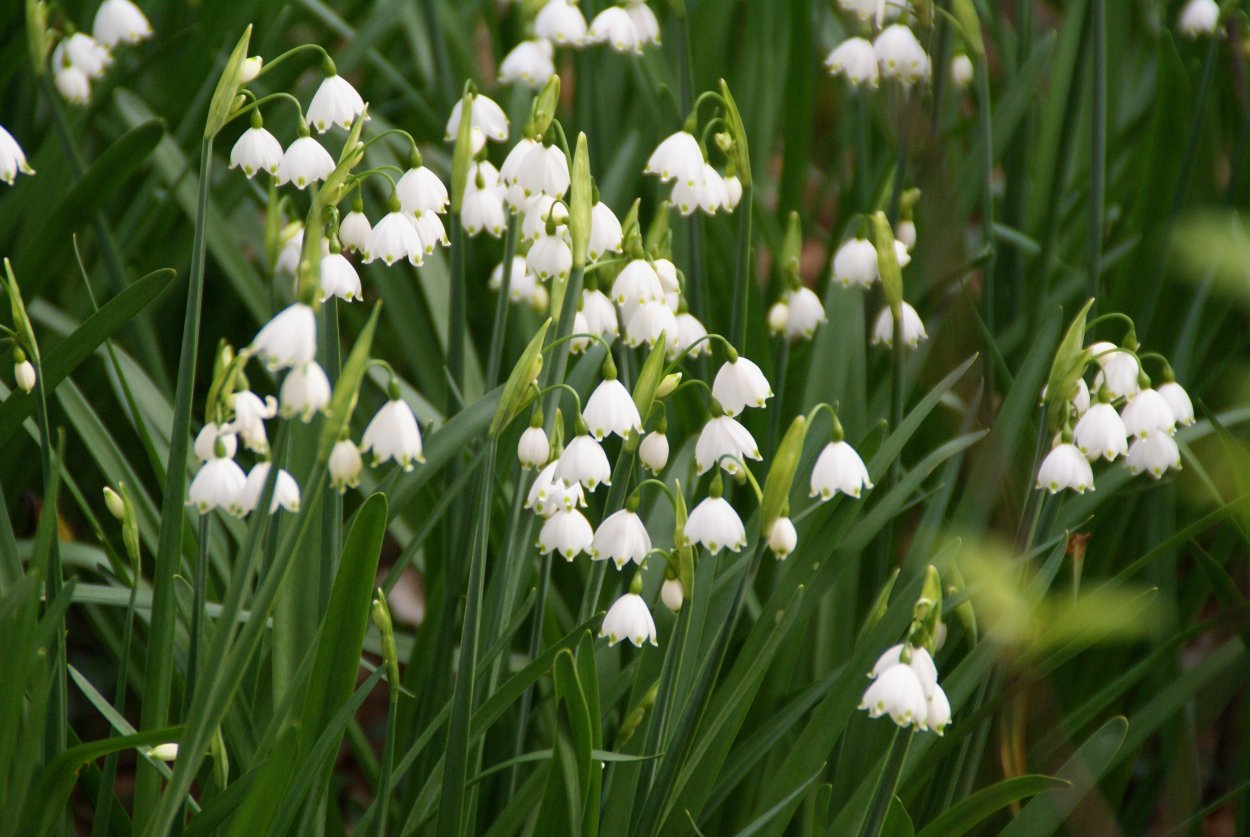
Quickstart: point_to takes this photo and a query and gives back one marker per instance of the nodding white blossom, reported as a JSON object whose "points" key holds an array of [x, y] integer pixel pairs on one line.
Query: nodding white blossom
{"points": [[857, 60], [567, 532], [256, 150], [614, 26], [529, 62], [550, 257], [305, 162], [782, 538], [1065, 467], [913, 328], [725, 442], [394, 238], [896, 692], [336, 102], [549, 493], [919, 659], [71, 82], [690, 332], [393, 434], [339, 278], [562, 23], [901, 56], [1119, 370], [120, 21], [430, 229], [218, 485], [345, 465], [250, 413], [285, 490], [1153, 455], [84, 53], [961, 71], [205, 446], [584, 461], [544, 170], [24, 375], [611, 409], [805, 312], [1081, 402], [293, 250], [1148, 413], [485, 115], [579, 344], [779, 319], [621, 537], [666, 272], [420, 190], [938, 712], [653, 452], [839, 469], [1198, 18], [305, 391], [733, 191], [541, 212], [901, 255], [740, 383], [600, 314], [1178, 400], [644, 21], [649, 322], [1101, 432], [855, 263], [605, 232], [637, 283], [522, 286], [672, 594], [628, 618], [716, 525], [905, 234], [483, 202], [289, 339], [512, 163], [677, 157], [13, 160], [533, 449], [706, 193]]}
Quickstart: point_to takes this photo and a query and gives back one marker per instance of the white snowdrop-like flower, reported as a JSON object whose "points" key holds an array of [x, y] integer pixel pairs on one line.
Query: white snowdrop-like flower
{"points": [[913, 328], [855, 263], [562, 23], [1081, 402], [336, 102], [897, 693], [285, 490], [549, 493], [857, 60], [164, 752], [779, 319], [938, 711], [901, 255], [256, 150], [550, 257], [605, 232], [1147, 413], [690, 332], [706, 193], [533, 449], [541, 212], [1120, 370], [13, 160], [24, 375], [614, 26], [516, 157], [649, 322], [1065, 467], [677, 157], [485, 114], [339, 278], [495, 282], [566, 532], [250, 413], [430, 229], [71, 82], [420, 190], [354, 232], [394, 238], [839, 469], [621, 537], [1101, 432], [637, 283], [714, 524], [529, 62], [82, 51], [805, 312], [628, 618], [672, 594], [483, 202], [205, 446], [584, 462], [289, 339], [666, 272], [599, 313], [218, 485], [345, 465], [1198, 18], [644, 21], [544, 170], [1178, 400], [305, 391], [653, 452], [725, 442], [782, 538], [579, 345], [393, 434], [740, 383], [905, 234], [611, 409], [1153, 455], [901, 56], [120, 21], [877, 11], [304, 163], [733, 191], [961, 71]]}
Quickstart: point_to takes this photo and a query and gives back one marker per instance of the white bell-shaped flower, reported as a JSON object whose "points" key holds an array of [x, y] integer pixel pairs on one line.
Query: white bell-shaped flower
{"points": [[961, 71], [256, 150], [621, 537], [690, 332], [707, 193], [611, 409], [1101, 432], [289, 339], [205, 446], [714, 524], [1065, 467], [897, 693], [740, 383], [529, 62], [649, 322], [644, 21], [900, 55], [581, 330], [551, 257], [905, 234], [336, 102], [1198, 18], [549, 493], [938, 711], [393, 434], [250, 71], [653, 452], [877, 11], [1147, 413], [857, 60], [85, 54], [13, 160], [672, 594], [420, 190], [218, 485], [605, 232], [485, 115], [512, 163], [120, 21], [1120, 371], [782, 538], [1153, 455], [913, 327], [628, 618], [345, 465], [285, 490], [354, 232], [430, 229], [544, 170], [733, 191], [562, 23], [339, 278], [394, 238], [516, 274], [71, 82], [805, 313], [1081, 402], [677, 157], [304, 163], [725, 442], [566, 532], [614, 27], [600, 314], [778, 318], [483, 209], [584, 462], [666, 272], [839, 469], [533, 449], [543, 214], [305, 391], [250, 413], [855, 263], [636, 284], [1178, 400]]}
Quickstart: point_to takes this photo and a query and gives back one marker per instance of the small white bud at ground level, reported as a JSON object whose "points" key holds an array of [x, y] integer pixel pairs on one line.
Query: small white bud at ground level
{"points": [[961, 71], [672, 594], [783, 538], [654, 451], [628, 618]]}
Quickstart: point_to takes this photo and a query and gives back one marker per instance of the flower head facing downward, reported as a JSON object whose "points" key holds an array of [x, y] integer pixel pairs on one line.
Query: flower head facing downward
{"points": [[1147, 413], [256, 150], [305, 391], [485, 114], [782, 538], [611, 410], [393, 434], [120, 21], [1065, 467], [1101, 432], [567, 532], [740, 383], [653, 452], [285, 490], [24, 375], [218, 485], [628, 618], [621, 538], [12, 158], [1198, 18], [289, 339], [562, 23], [304, 163], [336, 102], [584, 462], [857, 60], [725, 442], [896, 692], [714, 524], [394, 238], [839, 469], [345, 465], [250, 413], [913, 327], [549, 493], [855, 263], [1153, 455]]}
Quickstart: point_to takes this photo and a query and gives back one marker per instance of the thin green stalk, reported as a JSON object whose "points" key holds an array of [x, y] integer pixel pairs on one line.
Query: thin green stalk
{"points": [[159, 674], [104, 797], [779, 381], [533, 649], [199, 600], [499, 327], [615, 502], [987, 202], [388, 760], [742, 270], [694, 225], [887, 783], [456, 315], [1098, 139], [331, 503]]}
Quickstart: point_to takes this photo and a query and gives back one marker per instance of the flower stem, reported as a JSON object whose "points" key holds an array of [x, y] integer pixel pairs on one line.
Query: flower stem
{"points": [[388, 758], [456, 316], [500, 326], [54, 734], [332, 502], [887, 783], [742, 270], [1098, 139], [199, 598], [987, 202]]}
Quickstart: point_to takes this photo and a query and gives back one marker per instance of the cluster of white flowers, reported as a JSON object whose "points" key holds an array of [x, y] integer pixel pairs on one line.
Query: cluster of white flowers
{"points": [[80, 59], [905, 687], [894, 53], [697, 185], [560, 23], [856, 263]]}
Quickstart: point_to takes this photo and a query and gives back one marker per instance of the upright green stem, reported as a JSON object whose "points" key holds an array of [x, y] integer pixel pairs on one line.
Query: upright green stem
{"points": [[532, 649], [104, 797], [499, 328], [742, 271], [1098, 139], [332, 502], [987, 202], [158, 676], [456, 316], [887, 783], [779, 381], [199, 598], [54, 737], [388, 759]]}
